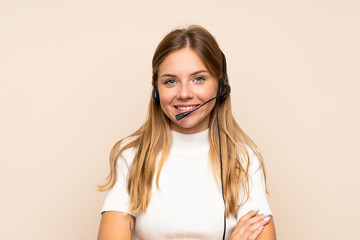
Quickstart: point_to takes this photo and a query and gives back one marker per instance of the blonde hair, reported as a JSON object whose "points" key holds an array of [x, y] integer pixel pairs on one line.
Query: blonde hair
{"points": [[154, 136]]}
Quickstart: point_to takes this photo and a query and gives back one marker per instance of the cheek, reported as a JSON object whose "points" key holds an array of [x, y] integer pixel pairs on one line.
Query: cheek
{"points": [[210, 90], [207, 94], [166, 96], [210, 107], [164, 101], [165, 104]]}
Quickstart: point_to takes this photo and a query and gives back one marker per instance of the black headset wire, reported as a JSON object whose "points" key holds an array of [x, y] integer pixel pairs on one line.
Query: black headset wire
{"points": [[218, 127], [221, 169]]}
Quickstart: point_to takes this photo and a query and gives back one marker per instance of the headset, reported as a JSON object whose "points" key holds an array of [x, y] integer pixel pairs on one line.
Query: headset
{"points": [[223, 91]]}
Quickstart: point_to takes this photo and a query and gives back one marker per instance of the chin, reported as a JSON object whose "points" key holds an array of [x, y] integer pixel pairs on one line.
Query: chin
{"points": [[189, 128]]}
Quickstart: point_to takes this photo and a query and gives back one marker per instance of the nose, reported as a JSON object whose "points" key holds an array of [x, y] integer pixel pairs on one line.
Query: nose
{"points": [[185, 91]]}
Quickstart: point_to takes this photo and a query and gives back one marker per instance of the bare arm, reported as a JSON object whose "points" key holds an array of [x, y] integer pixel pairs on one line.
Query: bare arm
{"points": [[268, 232], [116, 226]]}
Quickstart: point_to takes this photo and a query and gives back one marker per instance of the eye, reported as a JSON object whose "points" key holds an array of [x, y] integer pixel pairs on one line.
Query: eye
{"points": [[169, 82], [199, 79]]}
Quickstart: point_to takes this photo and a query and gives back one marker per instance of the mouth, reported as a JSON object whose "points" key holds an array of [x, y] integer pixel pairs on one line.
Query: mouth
{"points": [[187, 108]]}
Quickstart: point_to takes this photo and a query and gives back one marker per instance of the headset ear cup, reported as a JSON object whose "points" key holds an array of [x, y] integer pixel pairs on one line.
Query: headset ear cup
{"points": [[224, 90], [155, 96]]}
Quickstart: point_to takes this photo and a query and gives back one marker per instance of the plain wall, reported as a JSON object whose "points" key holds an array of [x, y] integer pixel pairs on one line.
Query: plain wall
{"points": [[75, 78]]}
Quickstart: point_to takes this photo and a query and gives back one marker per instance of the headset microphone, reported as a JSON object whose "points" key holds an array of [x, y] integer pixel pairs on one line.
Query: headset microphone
{"points": [[184, 114]]}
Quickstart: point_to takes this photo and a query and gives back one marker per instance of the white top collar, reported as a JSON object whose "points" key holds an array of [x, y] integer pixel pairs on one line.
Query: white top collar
{"points": [[196, 142]]}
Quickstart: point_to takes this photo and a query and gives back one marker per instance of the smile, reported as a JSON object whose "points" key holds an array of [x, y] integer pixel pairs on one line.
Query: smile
{"points": [[186, 108]]}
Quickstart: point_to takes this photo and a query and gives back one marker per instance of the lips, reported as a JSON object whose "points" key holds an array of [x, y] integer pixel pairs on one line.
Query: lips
{"points": [[185, 108]]}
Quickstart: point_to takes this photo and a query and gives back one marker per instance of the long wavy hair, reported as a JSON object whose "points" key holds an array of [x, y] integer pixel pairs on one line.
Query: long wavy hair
{"points": [[153, 139]]}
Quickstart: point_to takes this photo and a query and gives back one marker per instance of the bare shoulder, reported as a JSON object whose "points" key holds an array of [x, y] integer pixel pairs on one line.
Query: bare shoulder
{"points": [[116, 225]]}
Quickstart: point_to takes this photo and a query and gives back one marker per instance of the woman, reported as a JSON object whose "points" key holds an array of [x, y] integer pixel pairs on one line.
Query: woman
{"points": [[167, 180]]}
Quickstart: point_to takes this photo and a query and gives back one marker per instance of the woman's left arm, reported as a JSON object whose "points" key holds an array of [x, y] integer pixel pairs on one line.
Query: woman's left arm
{"points": [[268, 233], [257, 200]]}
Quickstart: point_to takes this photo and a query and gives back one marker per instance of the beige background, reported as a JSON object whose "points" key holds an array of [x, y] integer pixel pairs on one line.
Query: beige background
{"points": [[75, 77]]}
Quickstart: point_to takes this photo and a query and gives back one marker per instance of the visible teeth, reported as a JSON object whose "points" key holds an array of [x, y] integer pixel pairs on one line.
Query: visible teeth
{"points": [[188, 108]]}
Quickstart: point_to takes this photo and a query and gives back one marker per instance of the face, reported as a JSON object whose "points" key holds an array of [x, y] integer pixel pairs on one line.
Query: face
{"points": [[184, 83]]}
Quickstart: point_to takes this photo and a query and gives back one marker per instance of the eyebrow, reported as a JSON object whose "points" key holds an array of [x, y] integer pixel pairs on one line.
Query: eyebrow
{"points": [[194, 73]]}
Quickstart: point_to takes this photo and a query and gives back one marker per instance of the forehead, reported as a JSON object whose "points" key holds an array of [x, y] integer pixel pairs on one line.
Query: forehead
{"points": [[182, 61]]}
